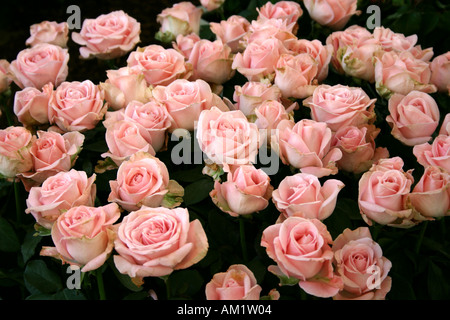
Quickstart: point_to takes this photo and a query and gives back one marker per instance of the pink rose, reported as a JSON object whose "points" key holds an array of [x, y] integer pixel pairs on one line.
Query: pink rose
{"points": [[435, 154], [124, 138], [431, 195], [331, 13], [288, 11], [227, 138], [142, 180], [321, 53], [15, 156], [270, 113], [108, 36], [296, 75], [252, 94], [59, 193], [383, 194], [231, 31], [260, 30], [153, 242], [84, 236], [445, 127], [246, 191], [31, 105], [340, 106], [49, 32], [358, 148], [77, 106], [5, 79], [184, 44], [185, 100], [440, 72], [301, 249], [151, 115], [237, 283], [211, 61], [51, 153], [302, 195], [39, 65], [353, 51], [401, 73], [306, 145], [359, 261], [211, 5], [182, 18], [392, 41], [123, 86], [159, 66], [413, 117], [259, 59]]}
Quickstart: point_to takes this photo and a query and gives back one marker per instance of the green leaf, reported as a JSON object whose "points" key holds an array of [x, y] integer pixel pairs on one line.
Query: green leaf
{"points": [[437, 288], [185, 283], [29, 245], [9, 242], [124, 279], [40, 279], [197, 191]]}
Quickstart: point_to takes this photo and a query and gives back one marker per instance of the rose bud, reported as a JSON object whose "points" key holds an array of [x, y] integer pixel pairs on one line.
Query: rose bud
{"points": [[252, 94], [440, 72], [5, 79], [231, 31], [49, 32], [59, 193], [434, 154], [237, 283], [84, 236], [288, 11], [15, 156], [184, 44], [331, 13], [211, 5], [31, 105], [108, 36]]}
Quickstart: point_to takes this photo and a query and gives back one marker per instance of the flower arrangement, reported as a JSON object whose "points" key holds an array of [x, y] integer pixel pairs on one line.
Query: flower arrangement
{"points": [[275, 150]]}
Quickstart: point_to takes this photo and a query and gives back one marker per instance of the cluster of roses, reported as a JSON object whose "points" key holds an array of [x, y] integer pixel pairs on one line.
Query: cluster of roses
{"points": [[163, 89]]}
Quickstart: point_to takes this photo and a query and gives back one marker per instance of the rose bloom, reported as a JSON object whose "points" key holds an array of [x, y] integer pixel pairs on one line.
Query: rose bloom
{"points": [[440, 72], [237, 283], [15, 157], [227, 138], [301, 249], [252, 94], [123, 86], [31, 105], [124, 138], [358, 148], [260, 30], [182, 18], [84, 236], [383, 194], [142, 180], [151, 115], [246, 191], [270, 113], [331, 13], [401, 73], [153, 242], [435, 154], [108, 36], [306, 145], [289, 11], [59, 193], [231, 31], [339, 106], [359, 261], [211, 61], [49, 32], [39, 65], [5, 79], [321, 53], [184, 44], [354, 49], [159, 66], [431, 195], [77, 106], [184, 101], [302, 195], [52, 152], [445, 127], [296, 75], [259, 59], [211, 5], [413, 117]]}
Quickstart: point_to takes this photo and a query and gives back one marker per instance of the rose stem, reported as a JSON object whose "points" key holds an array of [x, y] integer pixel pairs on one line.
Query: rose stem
{"points": [[18, 203], [422, 233], [242, 237], [101, 287]]}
